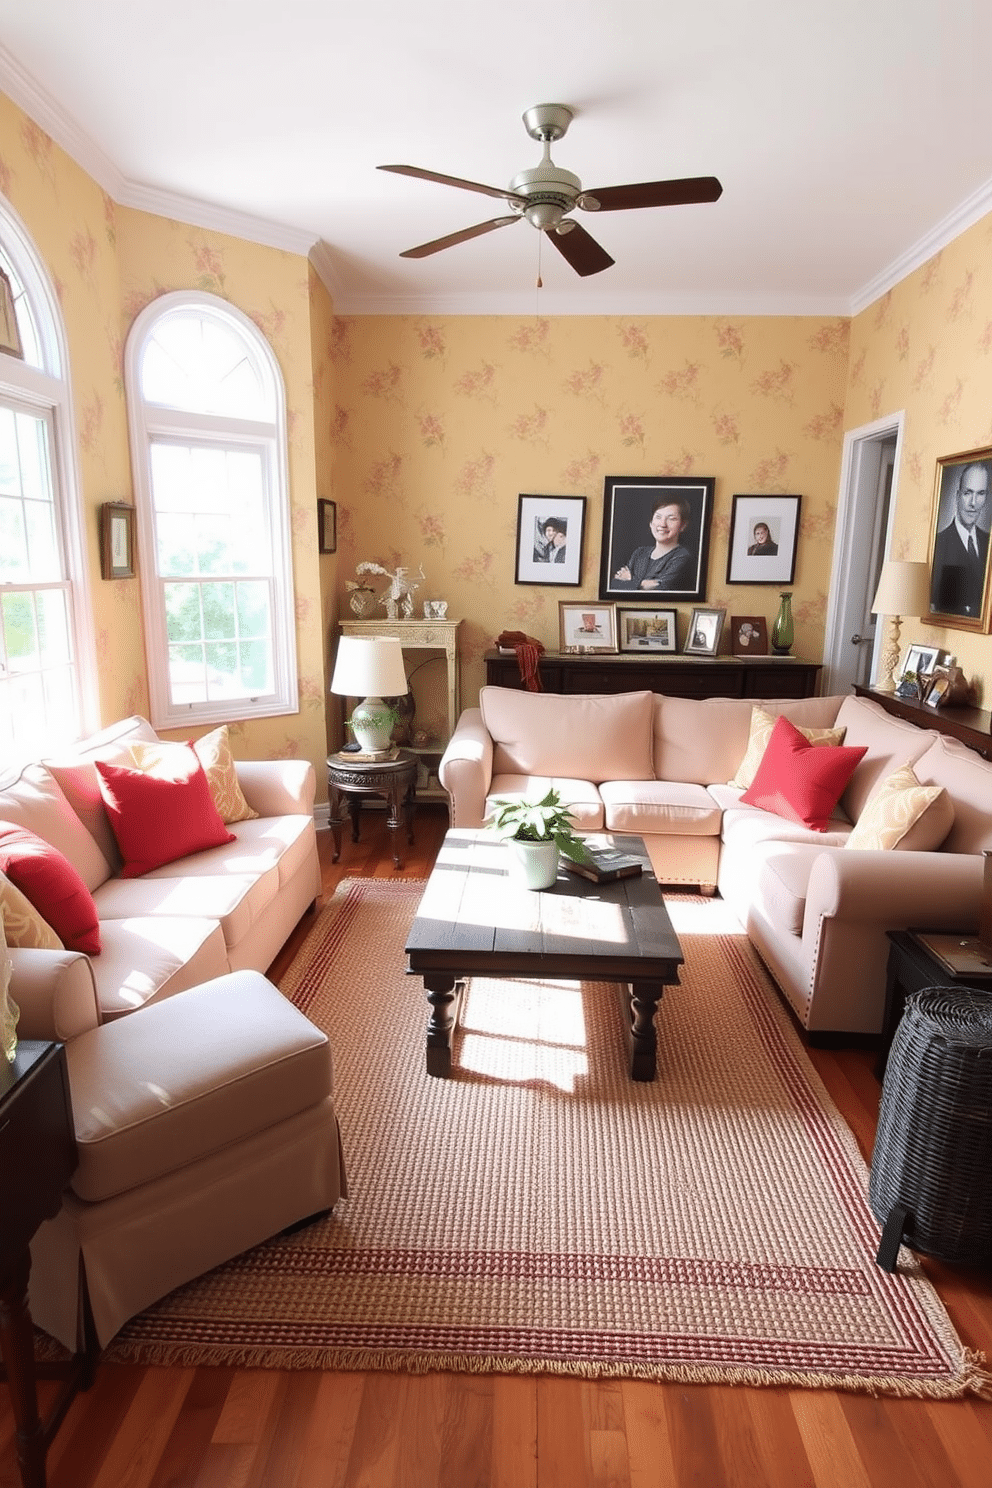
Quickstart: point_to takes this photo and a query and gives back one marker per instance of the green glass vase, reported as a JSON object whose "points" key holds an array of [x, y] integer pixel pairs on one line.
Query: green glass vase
{"points": [[783, 630]]}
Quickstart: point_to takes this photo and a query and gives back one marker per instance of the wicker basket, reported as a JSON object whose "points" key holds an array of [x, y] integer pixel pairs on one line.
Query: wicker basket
{"points": [[933, 1146]]}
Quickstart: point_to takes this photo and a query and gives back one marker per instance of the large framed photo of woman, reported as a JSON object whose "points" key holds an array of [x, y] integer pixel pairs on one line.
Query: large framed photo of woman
{"points": [[656, 537], [764, 532], [960, 584], [549, 539]]}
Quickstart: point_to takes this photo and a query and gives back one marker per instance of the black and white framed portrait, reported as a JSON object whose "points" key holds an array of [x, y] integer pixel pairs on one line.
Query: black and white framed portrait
{"points": [[550, 531], [960, 587], [656, 534], [764, 532]]}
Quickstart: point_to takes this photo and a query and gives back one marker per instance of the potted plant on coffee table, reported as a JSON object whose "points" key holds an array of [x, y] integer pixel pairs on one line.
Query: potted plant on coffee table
{"points": [[535, 832]]}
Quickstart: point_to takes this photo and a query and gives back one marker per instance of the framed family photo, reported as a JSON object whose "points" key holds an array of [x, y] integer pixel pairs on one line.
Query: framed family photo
{"points": [[959, 542], [584, 625], [116, 540], [705, 630], [647, 630], [550, 531], [656, 536], [764, 531]]}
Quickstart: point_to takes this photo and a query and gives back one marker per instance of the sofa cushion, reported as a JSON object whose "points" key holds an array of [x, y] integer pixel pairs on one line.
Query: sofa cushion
{"points": [[23, 926], [889, 741], [576, 737], [34, 799], [967, 778], [214, 753], [746, 827], [698, 740], [283, 842], [781, 879], [145, 959], [235, 900], [762, 724], [160, 817], [581, 796], [153, 1094], [660, 806], [53, 886], [799, 781], [903, 813]]}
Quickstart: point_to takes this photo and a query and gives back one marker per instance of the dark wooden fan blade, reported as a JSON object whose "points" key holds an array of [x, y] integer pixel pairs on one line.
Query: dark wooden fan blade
{"points": [[426, 175], [426, 249], [581, 251], [658, 194]]}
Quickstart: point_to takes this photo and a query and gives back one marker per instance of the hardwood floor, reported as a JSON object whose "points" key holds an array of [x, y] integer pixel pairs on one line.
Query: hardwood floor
{"points": [[227, 1428]]}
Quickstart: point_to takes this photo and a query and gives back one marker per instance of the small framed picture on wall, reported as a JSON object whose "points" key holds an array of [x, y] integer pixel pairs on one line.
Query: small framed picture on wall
{"points": [[550, 531], [327, 526], [116, 540], [764, 532]]}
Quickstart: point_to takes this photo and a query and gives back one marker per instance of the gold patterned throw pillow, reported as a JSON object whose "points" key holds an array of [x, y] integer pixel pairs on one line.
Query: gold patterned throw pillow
{"points": [[762, 724], [23, 926], [905, 814], [214, 753]]}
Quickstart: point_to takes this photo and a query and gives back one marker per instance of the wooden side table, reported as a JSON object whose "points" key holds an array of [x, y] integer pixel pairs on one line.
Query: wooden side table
{"points": [[351, 780], [37, 1159], [912, 966]]}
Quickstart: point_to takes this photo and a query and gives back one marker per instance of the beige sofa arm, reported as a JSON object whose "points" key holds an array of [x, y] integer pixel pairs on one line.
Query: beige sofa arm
{"points": [[466, 769], [278, 787], [55, 993], [895, 890]]}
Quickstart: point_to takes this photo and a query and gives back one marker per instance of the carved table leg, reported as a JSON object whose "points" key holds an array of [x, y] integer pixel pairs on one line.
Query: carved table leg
{"points": [[644, 1000], [336, 818], [17, 1344], [442, 994], [392, 794], [355, 812]]}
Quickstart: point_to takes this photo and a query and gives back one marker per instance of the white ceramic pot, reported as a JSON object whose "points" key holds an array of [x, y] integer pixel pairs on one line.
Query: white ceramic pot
{"points": [[533, 865]]}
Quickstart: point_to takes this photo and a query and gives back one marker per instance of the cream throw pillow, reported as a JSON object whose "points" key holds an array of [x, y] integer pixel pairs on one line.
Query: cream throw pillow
{"points": [[214, 753], [903, 813], [762, 724], [22, 924]]}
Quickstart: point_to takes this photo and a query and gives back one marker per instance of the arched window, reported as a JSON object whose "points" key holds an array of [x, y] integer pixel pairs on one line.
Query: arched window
{"points": [[208, 441], [47, 671]]}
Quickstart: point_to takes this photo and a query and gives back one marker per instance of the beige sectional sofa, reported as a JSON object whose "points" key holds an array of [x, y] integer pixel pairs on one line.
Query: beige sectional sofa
{"points": [[664, 767], [229, 908]]}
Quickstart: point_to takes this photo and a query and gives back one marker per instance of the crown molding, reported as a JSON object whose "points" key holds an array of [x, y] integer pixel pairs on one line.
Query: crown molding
{"points": [[216, 218], [552, 302], [322, 259], [40, 106], [965, 215]]}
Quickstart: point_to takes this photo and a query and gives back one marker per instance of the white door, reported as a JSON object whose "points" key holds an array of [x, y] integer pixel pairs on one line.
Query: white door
{"points": [[861, 543]]}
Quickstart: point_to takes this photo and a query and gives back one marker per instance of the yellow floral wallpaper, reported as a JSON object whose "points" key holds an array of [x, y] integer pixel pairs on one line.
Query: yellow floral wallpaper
{"points": [[926, 347], [441, 424]]}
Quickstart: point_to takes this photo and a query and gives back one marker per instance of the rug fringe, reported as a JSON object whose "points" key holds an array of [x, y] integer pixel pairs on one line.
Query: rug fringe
{"points": [[971, 1378]]}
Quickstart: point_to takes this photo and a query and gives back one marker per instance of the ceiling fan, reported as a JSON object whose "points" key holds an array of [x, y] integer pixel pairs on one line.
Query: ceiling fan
{"points": [[547, 194]]}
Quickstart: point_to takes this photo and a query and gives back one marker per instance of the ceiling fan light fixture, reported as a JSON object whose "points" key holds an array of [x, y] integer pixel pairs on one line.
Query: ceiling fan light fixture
{"points": [[545, 216]]}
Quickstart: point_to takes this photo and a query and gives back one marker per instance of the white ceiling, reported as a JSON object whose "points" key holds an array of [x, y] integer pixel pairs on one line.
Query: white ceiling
{"points": [[852, 137]]}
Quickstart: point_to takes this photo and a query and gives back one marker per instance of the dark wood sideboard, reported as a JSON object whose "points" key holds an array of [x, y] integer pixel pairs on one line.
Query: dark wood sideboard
{"points": [[970, 725], [678, 676]]}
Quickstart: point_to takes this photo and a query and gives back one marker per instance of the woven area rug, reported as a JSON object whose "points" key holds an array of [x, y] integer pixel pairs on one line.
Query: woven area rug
{"points": [[540, 1212]]}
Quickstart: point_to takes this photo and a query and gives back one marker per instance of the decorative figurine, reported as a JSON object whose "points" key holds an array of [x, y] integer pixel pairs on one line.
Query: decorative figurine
{"points": [[399, 595]]}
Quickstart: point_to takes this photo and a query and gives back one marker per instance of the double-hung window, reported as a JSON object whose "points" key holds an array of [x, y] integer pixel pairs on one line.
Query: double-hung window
{"points": [[208, 439], [47, 691]]}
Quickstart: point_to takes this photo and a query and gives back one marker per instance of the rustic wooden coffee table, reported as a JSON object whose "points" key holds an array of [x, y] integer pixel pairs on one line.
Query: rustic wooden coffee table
{"points": [[473, 921]]}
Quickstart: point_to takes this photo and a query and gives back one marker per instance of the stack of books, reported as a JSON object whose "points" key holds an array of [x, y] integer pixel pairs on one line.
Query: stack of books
{"points": [[606, 865]]}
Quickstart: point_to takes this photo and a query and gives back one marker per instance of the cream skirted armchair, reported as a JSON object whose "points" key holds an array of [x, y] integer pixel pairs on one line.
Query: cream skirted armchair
{"points": [[204, 1125]]}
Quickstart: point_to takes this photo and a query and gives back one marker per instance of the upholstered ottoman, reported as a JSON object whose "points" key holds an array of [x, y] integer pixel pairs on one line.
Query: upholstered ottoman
{"points": [[204, 1125]]}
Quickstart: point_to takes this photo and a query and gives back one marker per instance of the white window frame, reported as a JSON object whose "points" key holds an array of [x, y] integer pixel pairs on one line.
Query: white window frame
{"points": [[46, 391], [151, 421]]}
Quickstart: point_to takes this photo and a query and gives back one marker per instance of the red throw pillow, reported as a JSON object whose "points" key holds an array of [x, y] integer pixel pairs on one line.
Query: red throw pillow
{"points": [[159, 818], [48, 879], [801, 781]]}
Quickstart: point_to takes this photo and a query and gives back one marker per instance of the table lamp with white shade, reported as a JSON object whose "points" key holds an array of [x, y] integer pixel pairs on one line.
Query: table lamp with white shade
{"points": [[370, 668], [903, 592]]}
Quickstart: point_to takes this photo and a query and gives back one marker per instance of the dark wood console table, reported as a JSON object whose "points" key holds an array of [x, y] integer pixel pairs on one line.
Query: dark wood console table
{"points": [[676, 675], [970, 725], [37, 1159]]}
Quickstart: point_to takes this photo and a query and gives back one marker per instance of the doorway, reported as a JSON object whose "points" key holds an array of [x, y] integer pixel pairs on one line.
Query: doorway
{"points": [[865, 507]]}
